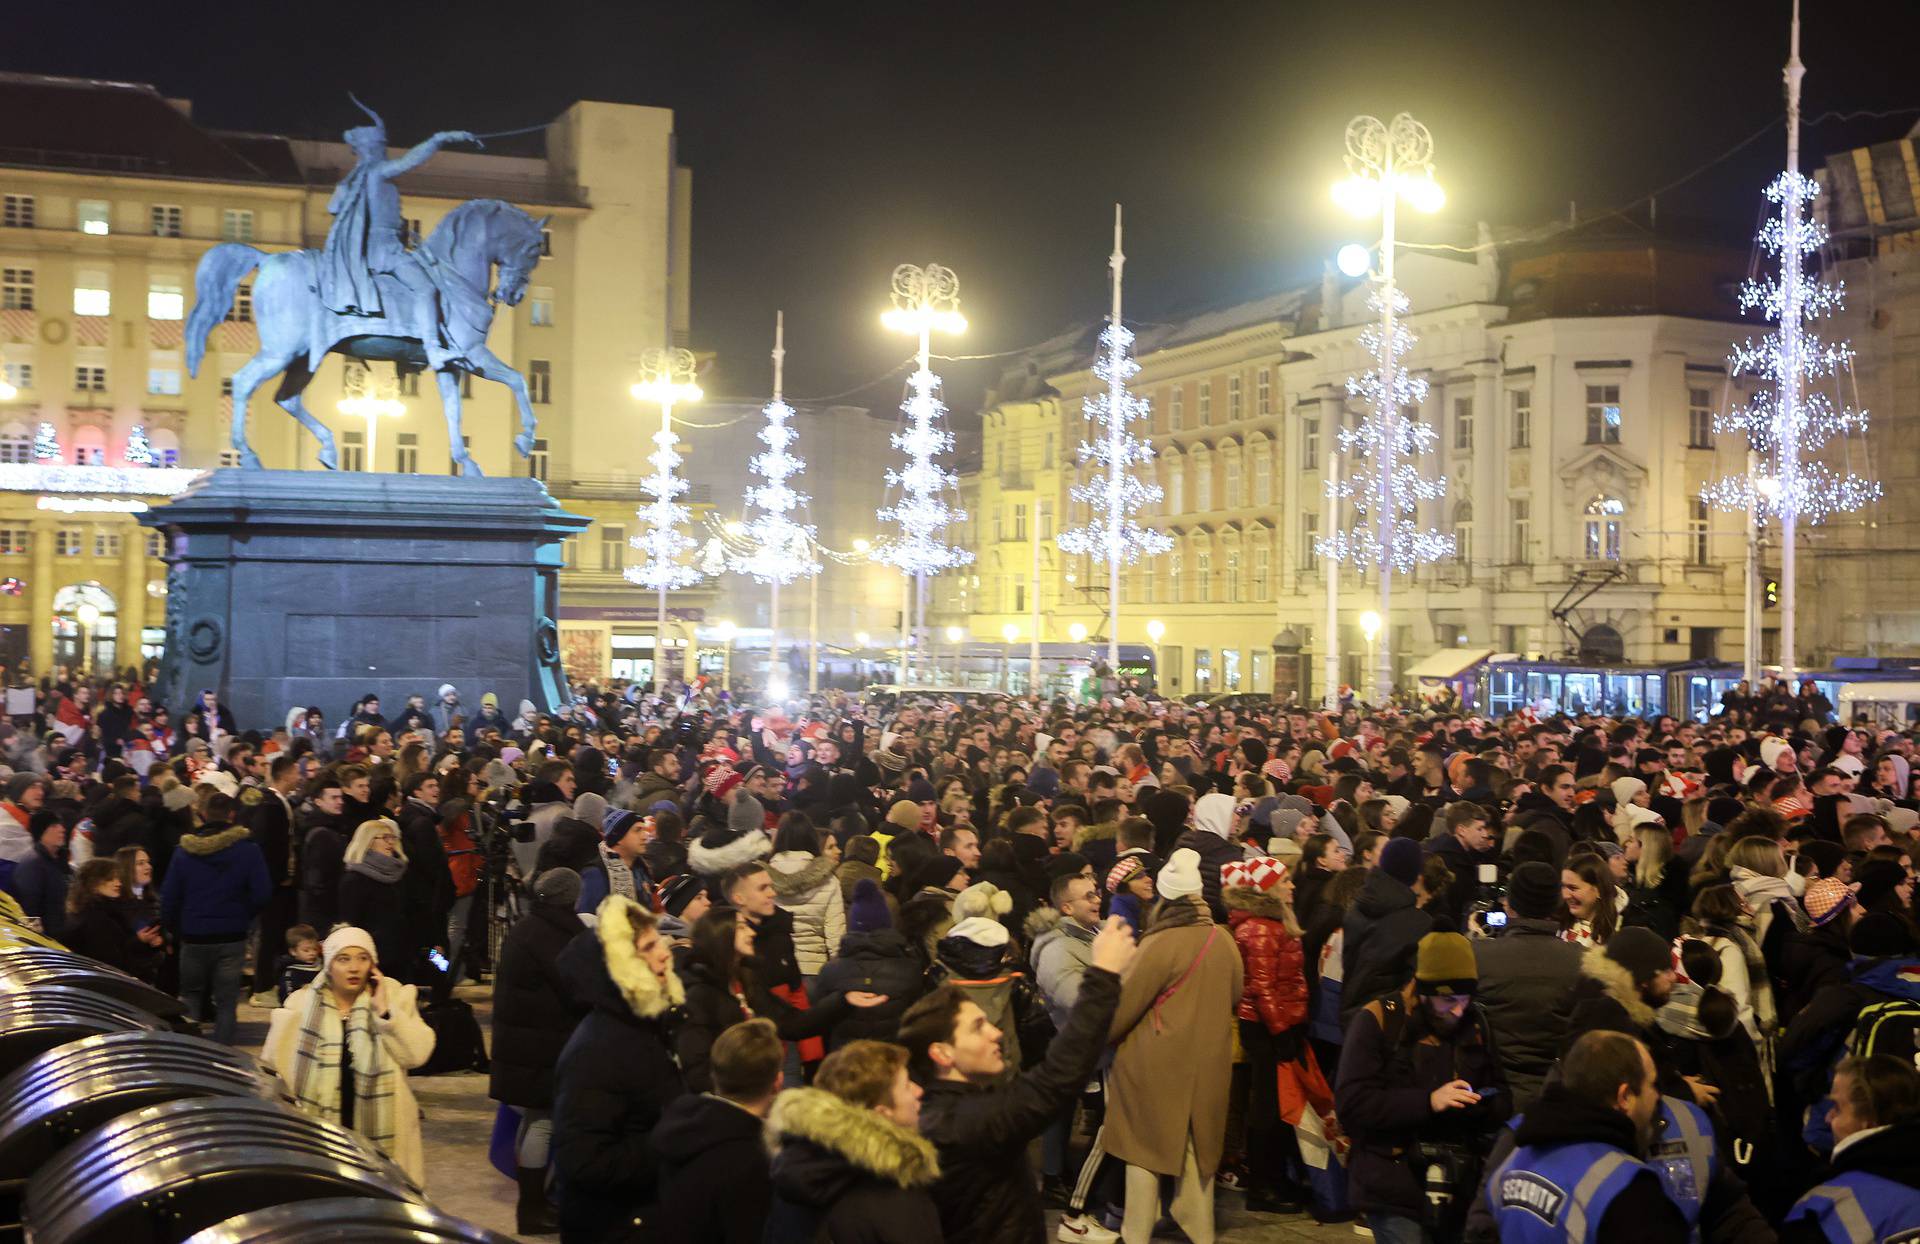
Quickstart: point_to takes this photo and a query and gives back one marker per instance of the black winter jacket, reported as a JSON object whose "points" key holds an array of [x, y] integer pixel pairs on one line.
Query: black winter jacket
{"points": [[535, 1007], [714, 1170], [1382, 930], [1526, 978], [379, 907], [986, 1192], [847, 1176], [614, 1081], [712, 1008], [878, 962], [1213, 851]]}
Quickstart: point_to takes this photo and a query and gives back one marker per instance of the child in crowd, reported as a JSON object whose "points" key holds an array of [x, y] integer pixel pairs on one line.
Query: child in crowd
{"points": [[301, 963]]}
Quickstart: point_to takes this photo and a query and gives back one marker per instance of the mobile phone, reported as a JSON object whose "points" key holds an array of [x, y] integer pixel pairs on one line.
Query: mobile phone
{"points": [[1494, 919], [437, 959]]}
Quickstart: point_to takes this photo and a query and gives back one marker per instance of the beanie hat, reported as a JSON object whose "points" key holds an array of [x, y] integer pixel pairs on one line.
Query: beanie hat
{"points": [[746, 814], [1632, 816], [1181, 876], [982, 898], [1168, 812], [446, 689], [1723, 808], [1402, 859], [867, 910], [1640, 951], [345, 936], [557, 887], [980, 931], [904, 814], [1065, 864], [490, 700], [721, 779], [677, 893], [1852, 766], [1827, 898], [617, 823], [590, 807], [1624, 789], [1126, 868], [1400, 804], [1444, 963], [1876, 935], [1263, 873], [1533, 891], [934, 874], [1771, 749], [1877, 880]]}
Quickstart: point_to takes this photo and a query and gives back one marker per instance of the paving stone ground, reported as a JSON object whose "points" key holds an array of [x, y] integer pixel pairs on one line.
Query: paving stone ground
{"points": [[459, 1121]]}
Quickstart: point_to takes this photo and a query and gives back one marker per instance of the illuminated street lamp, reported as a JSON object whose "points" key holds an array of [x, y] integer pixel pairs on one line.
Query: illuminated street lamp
{"points": [[373, 407], [1370, 627], [1387, 163], [88, 616], [1010, 633], [1077, 632]]}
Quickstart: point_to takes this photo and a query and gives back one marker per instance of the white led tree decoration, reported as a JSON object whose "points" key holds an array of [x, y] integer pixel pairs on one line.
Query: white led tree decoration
{"points": [[1387, 162], [666, 377], [140, 448], [924, 299], [780, 548], [1115, 493], [46, 444], [1788, 419]]}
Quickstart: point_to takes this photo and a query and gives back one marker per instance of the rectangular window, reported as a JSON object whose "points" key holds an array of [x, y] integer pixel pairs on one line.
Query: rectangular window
{"points": [[412, 233], [537, 460], [165, 300], [1233, 398], [166, 220], [16, 447], [353, 450], [1520, 526], [163, 381], [241, 312], [1019, 596], [453, 466], [91, 295], [1309, 540], [570, 552], [1698, 526], [540, 382], [540, 307], [236, 224], [90, 455], [406, 457], [1045, 509], [1230, 669], [1203, 407], [546, 244], [1603, 414], [89, 378], [1310, 444], [1233, 480], [1699, 418], [231, 458], [1176, 407], [16, 211], [15, 541], [94, 216], [1520, 417], [20, 375], [67, 540], [1263, 392], [157, 540], [1232, 576], [613, 549], [1463, 423], [1019, 521], [16, 289], [1174, 570], [106, 542], [1262, 571]]}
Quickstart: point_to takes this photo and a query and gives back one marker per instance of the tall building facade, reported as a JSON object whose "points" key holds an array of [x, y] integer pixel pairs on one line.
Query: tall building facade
{"points": [[109, 195], [1573, 385]]}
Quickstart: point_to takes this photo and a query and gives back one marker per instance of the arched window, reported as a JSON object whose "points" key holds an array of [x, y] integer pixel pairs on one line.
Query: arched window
{"points": [[1463, 533], [166, 447], [1202, 478], [1230, 454], [89, 446], [1603, 643], [1603, 519]]}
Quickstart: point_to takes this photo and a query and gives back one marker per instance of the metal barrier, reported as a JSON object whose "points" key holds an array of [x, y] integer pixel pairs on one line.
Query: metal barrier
{"points": [[29, 967], [33, 1023], [361, 1219], [166, 1172]]}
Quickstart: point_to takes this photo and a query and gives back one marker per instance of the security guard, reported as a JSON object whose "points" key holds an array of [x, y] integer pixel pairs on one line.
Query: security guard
{"points": [[1581, 1173], [1873, 1193]]}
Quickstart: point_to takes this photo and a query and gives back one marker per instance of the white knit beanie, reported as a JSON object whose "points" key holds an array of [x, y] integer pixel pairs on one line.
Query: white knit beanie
{"points": [[344, 936], [1180, 878]]}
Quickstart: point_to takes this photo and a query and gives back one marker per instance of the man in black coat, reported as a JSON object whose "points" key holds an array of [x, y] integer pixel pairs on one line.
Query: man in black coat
{"points": [[268, 812], [427, 885], [1527, 975], [981, 1128], [323, 849], [1382, 929], [1466, 844], [712, 1148], [1215, 839]]}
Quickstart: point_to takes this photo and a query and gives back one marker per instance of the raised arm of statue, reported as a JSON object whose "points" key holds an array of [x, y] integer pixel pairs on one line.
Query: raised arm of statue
{"points": [[424, 152]]}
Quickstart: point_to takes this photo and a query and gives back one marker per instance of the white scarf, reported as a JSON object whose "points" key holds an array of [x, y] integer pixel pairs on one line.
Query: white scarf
{"points": [[316, 1064]]}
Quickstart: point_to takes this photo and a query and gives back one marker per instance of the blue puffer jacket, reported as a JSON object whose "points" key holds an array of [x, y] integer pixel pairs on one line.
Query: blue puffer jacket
{"points": [[216, 883]]}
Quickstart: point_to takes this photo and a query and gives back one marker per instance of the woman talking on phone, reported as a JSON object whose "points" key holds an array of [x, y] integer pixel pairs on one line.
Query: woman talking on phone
{"points": [[344, 1044]]}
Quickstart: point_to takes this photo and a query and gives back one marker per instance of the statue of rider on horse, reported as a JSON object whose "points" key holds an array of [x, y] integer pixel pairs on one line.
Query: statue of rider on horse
{"points": [[366, 295]]}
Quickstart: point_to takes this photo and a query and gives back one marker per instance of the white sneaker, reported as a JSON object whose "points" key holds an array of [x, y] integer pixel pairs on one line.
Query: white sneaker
{"points": [[266, 1000], [1082, 1229], [1363, 1230]]}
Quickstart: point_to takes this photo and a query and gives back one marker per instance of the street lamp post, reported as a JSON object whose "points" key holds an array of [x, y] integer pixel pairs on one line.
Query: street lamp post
{"points": [[88, 616], [727, 632], [1386, 162], [666, 377], [1370, 627], [954, 636], [373, 408], [1156, 630], [1009, 633], [861, 640]]}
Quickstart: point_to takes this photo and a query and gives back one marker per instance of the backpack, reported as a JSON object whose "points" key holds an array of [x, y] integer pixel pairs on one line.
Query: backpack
{"points": [[457, 1043], [1891, 1027]]}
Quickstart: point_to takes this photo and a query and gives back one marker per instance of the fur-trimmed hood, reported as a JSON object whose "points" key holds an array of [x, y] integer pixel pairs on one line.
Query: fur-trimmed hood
{"points": [[1254, 901], [1041, 921], [644, 993], [726, 853], [793, 878], [1105, 831], [219, 840], [856, 1137], [1618, 982]]}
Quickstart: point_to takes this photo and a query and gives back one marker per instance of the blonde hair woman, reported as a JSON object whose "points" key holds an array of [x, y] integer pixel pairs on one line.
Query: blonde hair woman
{"points": [[344, 1044], [1758, 869], [370, 892]]}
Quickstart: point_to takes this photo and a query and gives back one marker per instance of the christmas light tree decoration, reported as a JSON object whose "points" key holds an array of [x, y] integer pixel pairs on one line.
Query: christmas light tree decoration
{"points": [[666, 377], [1114, 494], [139, 449], [780, 548], [46, 445]]}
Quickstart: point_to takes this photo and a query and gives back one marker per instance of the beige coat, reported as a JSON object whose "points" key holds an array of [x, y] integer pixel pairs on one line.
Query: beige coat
{"points": [[1172, 1077], [408, 1041]]}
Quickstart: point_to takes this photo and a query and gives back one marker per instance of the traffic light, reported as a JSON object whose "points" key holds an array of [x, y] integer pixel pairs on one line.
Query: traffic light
{"points": [[1770, 593]]}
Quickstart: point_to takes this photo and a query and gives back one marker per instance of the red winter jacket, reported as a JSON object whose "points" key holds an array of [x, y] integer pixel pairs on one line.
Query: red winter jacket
{"points": [[1275, 993]]}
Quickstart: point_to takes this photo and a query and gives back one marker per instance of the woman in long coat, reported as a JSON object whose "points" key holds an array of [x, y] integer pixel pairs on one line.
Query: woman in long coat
{"points": [[1167, 1092]]}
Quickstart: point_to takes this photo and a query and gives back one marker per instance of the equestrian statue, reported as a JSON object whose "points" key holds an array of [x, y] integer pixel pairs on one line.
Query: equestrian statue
{"points": [[367, 296]]}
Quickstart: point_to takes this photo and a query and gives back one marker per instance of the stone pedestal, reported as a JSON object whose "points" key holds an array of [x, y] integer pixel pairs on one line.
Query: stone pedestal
{"points": [[293, 588]]}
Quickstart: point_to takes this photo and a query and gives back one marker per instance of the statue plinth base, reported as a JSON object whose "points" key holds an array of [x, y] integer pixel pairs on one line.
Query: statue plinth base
{"points": [[316, 588]]}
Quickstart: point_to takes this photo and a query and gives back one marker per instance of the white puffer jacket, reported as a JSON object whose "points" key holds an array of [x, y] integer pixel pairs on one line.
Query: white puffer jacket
{"points": [[804, 884]]}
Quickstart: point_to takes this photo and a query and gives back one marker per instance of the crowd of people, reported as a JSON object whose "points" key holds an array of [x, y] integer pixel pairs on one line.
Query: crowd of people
{"points": [[1005, 969]]}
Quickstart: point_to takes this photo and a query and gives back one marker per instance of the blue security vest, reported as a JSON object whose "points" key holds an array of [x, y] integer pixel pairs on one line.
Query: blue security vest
{"points": [[1858, 1208], [1560, 1195]]}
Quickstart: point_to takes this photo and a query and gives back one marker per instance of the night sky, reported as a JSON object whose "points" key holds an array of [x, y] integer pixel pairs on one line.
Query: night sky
{"points": [[831, 141]]}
